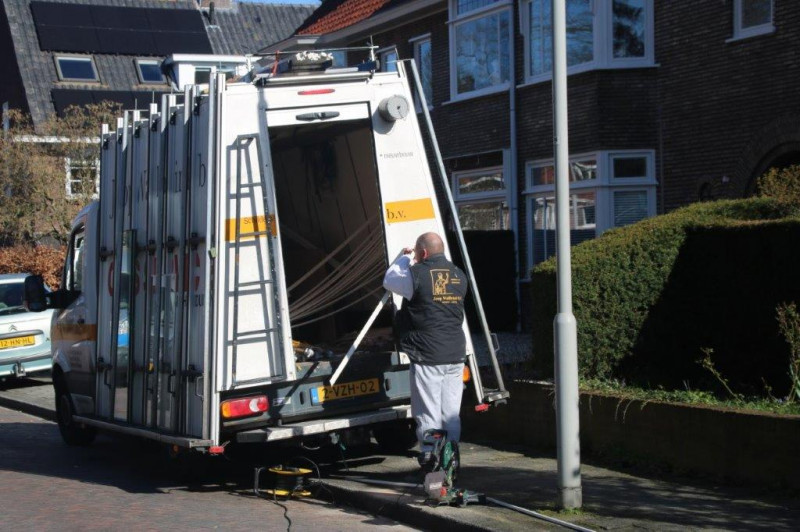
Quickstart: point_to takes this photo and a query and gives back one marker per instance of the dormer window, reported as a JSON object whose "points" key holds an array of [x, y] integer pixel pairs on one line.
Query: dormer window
{"points": [[76, 68], [149, 71]]}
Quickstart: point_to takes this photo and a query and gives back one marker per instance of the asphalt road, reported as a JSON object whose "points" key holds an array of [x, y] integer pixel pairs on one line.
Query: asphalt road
{"points": [[121, 483]]}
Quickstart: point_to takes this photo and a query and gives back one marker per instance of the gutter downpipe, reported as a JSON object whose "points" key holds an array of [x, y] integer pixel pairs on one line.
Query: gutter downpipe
{"points": [[565, 328], [513, 182]]}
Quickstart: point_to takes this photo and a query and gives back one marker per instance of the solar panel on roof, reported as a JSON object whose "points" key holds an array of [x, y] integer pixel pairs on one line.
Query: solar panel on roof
{"points": [[119, 30], [124, 18]]}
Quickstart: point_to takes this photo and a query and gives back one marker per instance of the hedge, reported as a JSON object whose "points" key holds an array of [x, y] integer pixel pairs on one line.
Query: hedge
{"points": [[649, 298], [45, 261]]}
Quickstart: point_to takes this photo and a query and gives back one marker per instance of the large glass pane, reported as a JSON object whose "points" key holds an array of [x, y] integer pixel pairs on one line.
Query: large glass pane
{"points": [[482, 52], [756, 12], [484, 182], [465, 6], [630, 167], [491, 216], [583, 215], [629, 28], [580, 31], [76, 68], [629, 207], [425, 69]]}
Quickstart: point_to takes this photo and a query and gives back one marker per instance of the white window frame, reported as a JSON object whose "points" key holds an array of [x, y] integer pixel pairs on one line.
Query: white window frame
{"points": [[83, 58], [456, 20], [603, 43], [383, 52], [604, 186], [491, 196], [68, 184], [416, 42], [740, 32], [147, 61]]}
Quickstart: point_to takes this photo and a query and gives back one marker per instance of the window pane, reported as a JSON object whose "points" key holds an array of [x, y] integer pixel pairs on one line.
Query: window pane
{"points": [[202, 75], [150, 72], [543, 175], [580, 29], [629, 207], [630, 167], [488, 182], [465, 6], [583, 213], [482, 50], [491, 216], [389, 62], [579, 171], [425, 70], [756, 12], [583, 170], [629, 28], [76, 68]]}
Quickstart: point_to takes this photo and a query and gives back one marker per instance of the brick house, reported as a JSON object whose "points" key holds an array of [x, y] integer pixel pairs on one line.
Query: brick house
{"points": [[669, 102]]}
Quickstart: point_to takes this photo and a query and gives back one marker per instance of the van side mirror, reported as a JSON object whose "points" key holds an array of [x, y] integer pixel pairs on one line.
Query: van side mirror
{"points": [[35, 295]]}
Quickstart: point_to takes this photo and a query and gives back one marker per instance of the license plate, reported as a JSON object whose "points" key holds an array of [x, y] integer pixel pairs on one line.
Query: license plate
{"points": [[19, 341], [344, 390]]}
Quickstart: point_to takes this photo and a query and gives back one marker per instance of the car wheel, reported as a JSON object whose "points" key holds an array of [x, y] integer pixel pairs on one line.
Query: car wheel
{"points": [[72, 433], [395, 436]]}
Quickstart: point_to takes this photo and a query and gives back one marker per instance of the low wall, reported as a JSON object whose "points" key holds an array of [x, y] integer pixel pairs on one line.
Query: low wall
{"points": [[732, 446]]}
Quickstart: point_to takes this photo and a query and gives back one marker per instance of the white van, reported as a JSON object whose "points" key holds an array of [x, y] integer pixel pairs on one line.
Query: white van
{"points": [[234, 261]]}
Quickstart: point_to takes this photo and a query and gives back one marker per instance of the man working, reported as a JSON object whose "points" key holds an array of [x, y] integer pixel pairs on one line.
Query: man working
{"points": [[429, 329]]}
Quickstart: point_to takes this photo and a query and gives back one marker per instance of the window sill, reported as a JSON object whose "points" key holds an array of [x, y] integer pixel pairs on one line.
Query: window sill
{"points": [[631, 65], [757, 31], [477, 94]]}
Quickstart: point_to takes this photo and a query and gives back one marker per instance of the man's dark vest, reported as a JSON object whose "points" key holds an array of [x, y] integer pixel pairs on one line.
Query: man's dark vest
{"points": [[430, 325]]}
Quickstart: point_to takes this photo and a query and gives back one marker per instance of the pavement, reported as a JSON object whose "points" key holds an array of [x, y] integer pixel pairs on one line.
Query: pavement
{"points": [[526, 478]]}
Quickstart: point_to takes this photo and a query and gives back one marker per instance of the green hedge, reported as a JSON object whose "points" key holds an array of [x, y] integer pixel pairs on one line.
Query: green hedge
{"points": [[649, 297]]}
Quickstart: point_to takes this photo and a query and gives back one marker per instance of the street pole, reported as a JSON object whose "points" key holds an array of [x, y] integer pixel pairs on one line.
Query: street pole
{"points": [[565, 328]]}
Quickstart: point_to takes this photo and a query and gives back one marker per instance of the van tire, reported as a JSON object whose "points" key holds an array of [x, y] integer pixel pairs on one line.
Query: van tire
{"points": [[396, 436], [71, 432]]}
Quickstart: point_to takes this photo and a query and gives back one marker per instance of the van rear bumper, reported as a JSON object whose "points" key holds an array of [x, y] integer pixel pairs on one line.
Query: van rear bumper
{"points": [[318, 426]]}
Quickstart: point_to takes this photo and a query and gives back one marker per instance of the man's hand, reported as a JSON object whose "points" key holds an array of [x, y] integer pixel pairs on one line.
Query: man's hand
{"points": [[408, 251]]}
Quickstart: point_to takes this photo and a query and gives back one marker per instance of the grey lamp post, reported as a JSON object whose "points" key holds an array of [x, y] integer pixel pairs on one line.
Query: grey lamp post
{"points": [[565, 328]]}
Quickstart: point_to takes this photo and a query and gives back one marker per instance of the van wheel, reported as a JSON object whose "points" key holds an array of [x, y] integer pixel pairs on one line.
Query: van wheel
{"points": [[395, 436], [71, 432]]}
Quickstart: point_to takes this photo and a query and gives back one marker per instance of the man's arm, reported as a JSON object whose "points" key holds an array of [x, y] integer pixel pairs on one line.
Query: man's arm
{"points": [[398, 277]]}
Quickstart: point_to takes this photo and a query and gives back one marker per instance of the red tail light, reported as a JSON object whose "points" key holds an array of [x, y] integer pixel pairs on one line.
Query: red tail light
{"points": [[311, 92], [246, 406]]}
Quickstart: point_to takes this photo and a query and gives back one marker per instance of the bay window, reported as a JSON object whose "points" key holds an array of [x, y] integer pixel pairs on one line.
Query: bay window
{"points": [[600, 34], [480, 46], [607, 189]]}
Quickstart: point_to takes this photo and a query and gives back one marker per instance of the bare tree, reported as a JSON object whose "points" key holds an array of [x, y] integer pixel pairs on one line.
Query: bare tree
{"points": [[37, 201]]}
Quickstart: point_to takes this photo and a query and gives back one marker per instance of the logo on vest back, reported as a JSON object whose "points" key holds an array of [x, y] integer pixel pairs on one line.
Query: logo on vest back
{"points": [[441, 281]]}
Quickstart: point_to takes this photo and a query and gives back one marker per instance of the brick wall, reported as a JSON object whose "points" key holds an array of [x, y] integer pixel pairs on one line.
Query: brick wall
{"points": [[727, 108]]}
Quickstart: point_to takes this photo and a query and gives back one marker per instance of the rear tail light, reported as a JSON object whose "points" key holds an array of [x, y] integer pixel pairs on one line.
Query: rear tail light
{"points": [[246, 406], [466, 375]]}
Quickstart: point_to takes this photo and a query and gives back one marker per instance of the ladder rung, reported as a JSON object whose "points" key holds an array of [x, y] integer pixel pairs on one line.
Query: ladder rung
{"points": [[253, 333], [255, 233], [257, 283], [250, 185]]}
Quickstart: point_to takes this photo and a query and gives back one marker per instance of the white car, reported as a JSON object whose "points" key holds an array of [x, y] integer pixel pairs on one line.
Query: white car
{"points": [[24, 336]]}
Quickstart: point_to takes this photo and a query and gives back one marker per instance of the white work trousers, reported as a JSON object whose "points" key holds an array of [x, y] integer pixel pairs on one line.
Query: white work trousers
{"points": [[436, 399]]}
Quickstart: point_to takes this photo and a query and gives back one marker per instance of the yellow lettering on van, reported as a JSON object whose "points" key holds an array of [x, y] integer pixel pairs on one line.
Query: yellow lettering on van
{"points": [[409, 210], [249, 225]]}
